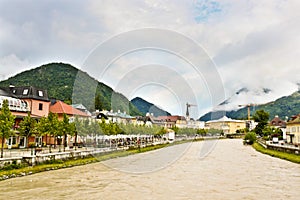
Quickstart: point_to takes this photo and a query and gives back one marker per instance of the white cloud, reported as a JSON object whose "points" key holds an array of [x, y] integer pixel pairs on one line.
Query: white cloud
{"points": [[255, 44], [10, 64]]}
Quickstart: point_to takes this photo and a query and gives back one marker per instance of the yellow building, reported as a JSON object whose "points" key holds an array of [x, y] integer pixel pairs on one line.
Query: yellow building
{"points": [[227, 125], [293, 130]]}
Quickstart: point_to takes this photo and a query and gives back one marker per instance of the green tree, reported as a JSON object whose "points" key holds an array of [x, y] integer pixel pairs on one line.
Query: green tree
{"points": [[76, 126], [65, 128], [162, 131], [27, 127], [7, 121], [94, 130], [98, 102], [52, 126], [41, 127], [269, 131], [175, 129], [83, 127], [73, 131], [202, 132], [262, 118]]}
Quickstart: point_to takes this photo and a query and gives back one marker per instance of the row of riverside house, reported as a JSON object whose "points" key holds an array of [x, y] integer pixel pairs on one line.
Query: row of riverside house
{"points": [[36, 101], [30, 99]]}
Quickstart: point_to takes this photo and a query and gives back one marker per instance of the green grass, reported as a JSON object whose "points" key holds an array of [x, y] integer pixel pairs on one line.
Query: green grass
{"points": [[278, 154]]}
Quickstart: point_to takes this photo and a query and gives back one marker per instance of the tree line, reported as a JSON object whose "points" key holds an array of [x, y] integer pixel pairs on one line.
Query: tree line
{"points": [[61, 129]]}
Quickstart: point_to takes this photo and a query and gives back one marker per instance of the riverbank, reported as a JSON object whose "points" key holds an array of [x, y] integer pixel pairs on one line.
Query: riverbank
{"points": [[22, 170], [278, 154]]}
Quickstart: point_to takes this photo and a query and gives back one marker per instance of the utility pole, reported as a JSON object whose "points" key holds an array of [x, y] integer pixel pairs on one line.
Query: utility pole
{"points": [[248, 109]]}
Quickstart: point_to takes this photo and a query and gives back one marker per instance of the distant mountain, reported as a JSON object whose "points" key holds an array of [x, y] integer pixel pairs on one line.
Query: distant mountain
{"points": [[286, 106], [146, 107], [59, 79]]}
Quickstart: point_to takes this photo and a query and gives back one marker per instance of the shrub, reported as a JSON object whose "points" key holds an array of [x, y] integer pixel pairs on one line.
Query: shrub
{"points": [[250, 138], [12, 166], [31, 144]]}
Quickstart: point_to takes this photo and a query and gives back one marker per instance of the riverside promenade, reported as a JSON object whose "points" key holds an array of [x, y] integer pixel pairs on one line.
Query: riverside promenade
{"points": [[220, 169]]}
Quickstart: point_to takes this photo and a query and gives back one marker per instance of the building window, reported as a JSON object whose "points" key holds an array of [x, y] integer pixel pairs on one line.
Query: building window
{"points": [[40, 106], [25, 91], [40, 93], [12, 141]]}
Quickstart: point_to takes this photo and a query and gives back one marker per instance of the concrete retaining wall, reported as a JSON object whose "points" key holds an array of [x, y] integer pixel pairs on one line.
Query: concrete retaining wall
{"points": [[283, 148]]}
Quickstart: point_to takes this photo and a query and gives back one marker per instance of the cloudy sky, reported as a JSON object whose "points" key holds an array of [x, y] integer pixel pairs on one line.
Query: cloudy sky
{"points": [[201, 48]]}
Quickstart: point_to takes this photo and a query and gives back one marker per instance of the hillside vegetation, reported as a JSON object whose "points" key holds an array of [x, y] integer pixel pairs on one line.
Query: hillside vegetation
{"points": [[147, 107], [59, 78]]}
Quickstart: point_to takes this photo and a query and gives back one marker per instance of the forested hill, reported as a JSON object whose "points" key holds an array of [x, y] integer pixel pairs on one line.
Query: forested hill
{"points": [[58, 79], [147, 107], [284, 106]]}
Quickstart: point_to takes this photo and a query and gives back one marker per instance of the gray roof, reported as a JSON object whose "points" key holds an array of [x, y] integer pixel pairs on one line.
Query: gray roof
{"points": [[26, 92], [3, 92]]}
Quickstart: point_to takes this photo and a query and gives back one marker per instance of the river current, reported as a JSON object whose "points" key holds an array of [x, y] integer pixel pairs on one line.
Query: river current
{"points": [[223, 169]]}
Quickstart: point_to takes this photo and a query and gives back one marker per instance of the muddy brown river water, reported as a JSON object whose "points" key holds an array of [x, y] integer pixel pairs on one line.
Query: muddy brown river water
{"points": [[224, 170]]}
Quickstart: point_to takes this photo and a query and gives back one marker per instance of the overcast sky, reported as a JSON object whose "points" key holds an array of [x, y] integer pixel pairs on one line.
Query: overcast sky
{"points": [[253, 44]]}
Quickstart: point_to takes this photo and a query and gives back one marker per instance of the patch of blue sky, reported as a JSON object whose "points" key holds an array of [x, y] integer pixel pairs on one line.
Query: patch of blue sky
{"points": [[205, 9]]}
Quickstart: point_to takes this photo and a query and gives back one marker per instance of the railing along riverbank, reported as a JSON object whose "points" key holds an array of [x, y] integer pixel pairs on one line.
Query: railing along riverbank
{"points": [[280, 146]]}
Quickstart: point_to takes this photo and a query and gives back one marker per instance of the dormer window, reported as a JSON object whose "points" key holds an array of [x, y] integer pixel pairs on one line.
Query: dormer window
{"points": [[40, 93], [14, 91], [25, 91]]}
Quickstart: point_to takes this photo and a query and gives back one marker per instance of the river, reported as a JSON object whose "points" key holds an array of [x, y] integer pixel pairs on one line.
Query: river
{"points": [[223, 169]]}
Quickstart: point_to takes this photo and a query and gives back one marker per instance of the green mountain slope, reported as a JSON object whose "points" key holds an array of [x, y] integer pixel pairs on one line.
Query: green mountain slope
{"points": [[284, 106], [146, 107], [67, 83]]}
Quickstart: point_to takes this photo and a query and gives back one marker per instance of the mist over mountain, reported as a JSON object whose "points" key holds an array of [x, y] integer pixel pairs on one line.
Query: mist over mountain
{"points": [[244, 96], [285, 106]]}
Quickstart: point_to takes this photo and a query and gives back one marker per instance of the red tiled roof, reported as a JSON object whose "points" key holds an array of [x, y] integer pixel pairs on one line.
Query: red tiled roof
{"points": [[277, 122], [60, 107], [171, 118]]}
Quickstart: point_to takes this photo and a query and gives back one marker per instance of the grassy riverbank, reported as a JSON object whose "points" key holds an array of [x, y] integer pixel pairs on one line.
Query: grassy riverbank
{"points": [[278, 154], [11, 172]]}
